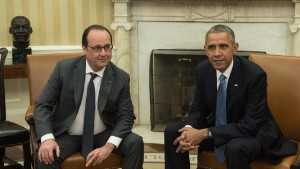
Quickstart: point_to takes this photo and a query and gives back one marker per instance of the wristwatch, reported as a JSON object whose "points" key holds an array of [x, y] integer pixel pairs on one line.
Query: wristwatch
{"points": [[209, 133]]}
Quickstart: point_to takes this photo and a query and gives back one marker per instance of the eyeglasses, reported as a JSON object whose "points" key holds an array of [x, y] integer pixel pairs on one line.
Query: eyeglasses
{"points": [[98, 48]]}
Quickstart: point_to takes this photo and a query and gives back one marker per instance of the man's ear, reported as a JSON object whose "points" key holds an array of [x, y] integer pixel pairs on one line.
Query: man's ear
{"points": [[10, 30], [84, 48], [30, 30], [204, 47], [236, 47]]}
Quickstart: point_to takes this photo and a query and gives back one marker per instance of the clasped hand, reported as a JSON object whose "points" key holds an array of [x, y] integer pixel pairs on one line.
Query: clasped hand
{"points": [[190, 139]]}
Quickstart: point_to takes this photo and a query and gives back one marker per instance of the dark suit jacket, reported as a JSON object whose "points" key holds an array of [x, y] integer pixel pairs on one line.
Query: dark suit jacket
{"points": [[64, 93], [248, 114]]}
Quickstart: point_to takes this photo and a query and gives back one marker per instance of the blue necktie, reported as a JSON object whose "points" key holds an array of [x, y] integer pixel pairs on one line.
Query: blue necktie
{"points": [[89, 116], [221, 118]]}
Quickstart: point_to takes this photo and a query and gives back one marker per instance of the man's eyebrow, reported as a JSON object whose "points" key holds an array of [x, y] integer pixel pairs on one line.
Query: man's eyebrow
{"points": [[223, 44]]}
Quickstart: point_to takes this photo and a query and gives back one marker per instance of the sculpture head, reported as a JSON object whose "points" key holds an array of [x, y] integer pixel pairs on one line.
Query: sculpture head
{"points": [[20, 30]]}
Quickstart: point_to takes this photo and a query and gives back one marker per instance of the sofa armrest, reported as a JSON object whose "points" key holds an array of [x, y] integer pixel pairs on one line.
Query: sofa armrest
{"points": [[296, 163], [29, 115]]}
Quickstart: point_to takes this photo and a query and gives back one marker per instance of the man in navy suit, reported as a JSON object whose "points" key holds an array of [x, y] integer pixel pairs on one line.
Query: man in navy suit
{"points": [[250, 131], [60, 110]]}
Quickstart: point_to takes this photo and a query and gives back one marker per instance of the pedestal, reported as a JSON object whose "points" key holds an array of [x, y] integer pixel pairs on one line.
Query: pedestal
{"points": [[19, 55]]}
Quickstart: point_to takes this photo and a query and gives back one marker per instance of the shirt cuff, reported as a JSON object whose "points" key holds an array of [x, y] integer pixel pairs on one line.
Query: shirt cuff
{"points": [[114, 140], [47, 137], [188, 126]]}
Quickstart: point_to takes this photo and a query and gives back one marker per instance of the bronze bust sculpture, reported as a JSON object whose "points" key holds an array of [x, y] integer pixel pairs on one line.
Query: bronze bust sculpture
{"points": [[20, 30]]}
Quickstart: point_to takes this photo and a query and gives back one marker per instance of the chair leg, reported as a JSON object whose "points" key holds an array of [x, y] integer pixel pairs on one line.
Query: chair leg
{"points": [[27, 156], [2, 153]]}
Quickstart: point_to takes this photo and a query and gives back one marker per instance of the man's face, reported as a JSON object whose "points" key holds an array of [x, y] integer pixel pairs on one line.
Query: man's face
{"points": [[20, 30], [220, 50], [97, 59]]}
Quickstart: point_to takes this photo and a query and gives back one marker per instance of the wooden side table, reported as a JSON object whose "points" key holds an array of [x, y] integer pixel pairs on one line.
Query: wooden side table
{"points": [[14, 71]]}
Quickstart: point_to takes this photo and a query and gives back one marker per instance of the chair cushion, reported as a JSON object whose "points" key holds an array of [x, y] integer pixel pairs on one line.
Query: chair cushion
{"points": [[78, 162], [12, 134], [206, 159]]}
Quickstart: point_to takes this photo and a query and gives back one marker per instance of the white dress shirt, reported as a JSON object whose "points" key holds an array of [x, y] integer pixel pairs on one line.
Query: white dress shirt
{"points": [[226, 74]]}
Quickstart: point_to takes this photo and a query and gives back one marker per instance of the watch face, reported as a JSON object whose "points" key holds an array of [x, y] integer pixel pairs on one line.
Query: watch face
{"points": [[209, 133]]}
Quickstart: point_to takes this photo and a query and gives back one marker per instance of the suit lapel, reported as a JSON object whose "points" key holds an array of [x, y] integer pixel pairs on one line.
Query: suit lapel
{"points": [[234, 82], [79, 78], [105, 87], [211, 87]]}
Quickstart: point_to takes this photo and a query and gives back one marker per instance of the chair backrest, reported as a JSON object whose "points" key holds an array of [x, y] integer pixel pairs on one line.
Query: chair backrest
{"points": [[40, 67], [283, 90], [3, 53]]}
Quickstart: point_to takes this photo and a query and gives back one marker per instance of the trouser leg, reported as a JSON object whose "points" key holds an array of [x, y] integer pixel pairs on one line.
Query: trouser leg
{"points": [[68, 145], [174, 160], [240, 152], [131, 147]]}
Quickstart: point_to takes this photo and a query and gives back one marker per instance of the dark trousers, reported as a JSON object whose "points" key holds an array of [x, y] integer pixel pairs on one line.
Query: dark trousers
{"points": [[131, 147], [239, 152]]}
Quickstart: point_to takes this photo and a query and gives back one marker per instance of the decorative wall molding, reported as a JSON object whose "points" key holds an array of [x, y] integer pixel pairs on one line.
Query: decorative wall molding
{"points": [[126, 26], [214, 12], [48, 49], [121, 1], [209, 11], [208, 1], [294, 27]]}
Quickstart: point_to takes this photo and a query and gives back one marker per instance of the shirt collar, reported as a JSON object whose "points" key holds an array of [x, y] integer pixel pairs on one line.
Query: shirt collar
{"points": [[227, 71], [88, 69]]}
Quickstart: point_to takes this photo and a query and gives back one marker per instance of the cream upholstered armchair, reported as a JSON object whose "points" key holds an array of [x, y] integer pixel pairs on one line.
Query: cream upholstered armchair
{"points": [[40, 66]]}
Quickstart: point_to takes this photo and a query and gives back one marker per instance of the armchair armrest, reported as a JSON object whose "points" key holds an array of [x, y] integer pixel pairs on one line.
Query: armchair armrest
{"points": [[296, 163], [29, 115], [30, 121]]}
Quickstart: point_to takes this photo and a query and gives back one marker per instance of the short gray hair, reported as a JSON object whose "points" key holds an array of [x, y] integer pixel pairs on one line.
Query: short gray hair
{"points": [[219, 29]]}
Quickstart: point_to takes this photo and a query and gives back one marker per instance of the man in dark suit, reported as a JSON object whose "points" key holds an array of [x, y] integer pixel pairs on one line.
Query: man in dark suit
{"points": [[60, 110], [249, 132]]}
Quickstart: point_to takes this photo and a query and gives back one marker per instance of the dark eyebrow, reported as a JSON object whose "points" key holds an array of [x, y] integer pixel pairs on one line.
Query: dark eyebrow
{"points": [[224, 44]]}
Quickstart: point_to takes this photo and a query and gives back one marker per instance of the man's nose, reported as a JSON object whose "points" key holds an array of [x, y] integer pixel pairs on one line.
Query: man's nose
{"points": [[217, 51], [102, 52]]}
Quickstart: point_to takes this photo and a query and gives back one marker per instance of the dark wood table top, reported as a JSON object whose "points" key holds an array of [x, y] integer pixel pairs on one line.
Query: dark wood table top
{"points": [[14, 71]]}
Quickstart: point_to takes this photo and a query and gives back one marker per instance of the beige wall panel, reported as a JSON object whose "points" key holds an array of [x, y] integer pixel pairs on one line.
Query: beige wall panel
{"points": [[33, 14], [4, 25], [78, 14], [55, 22]]}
